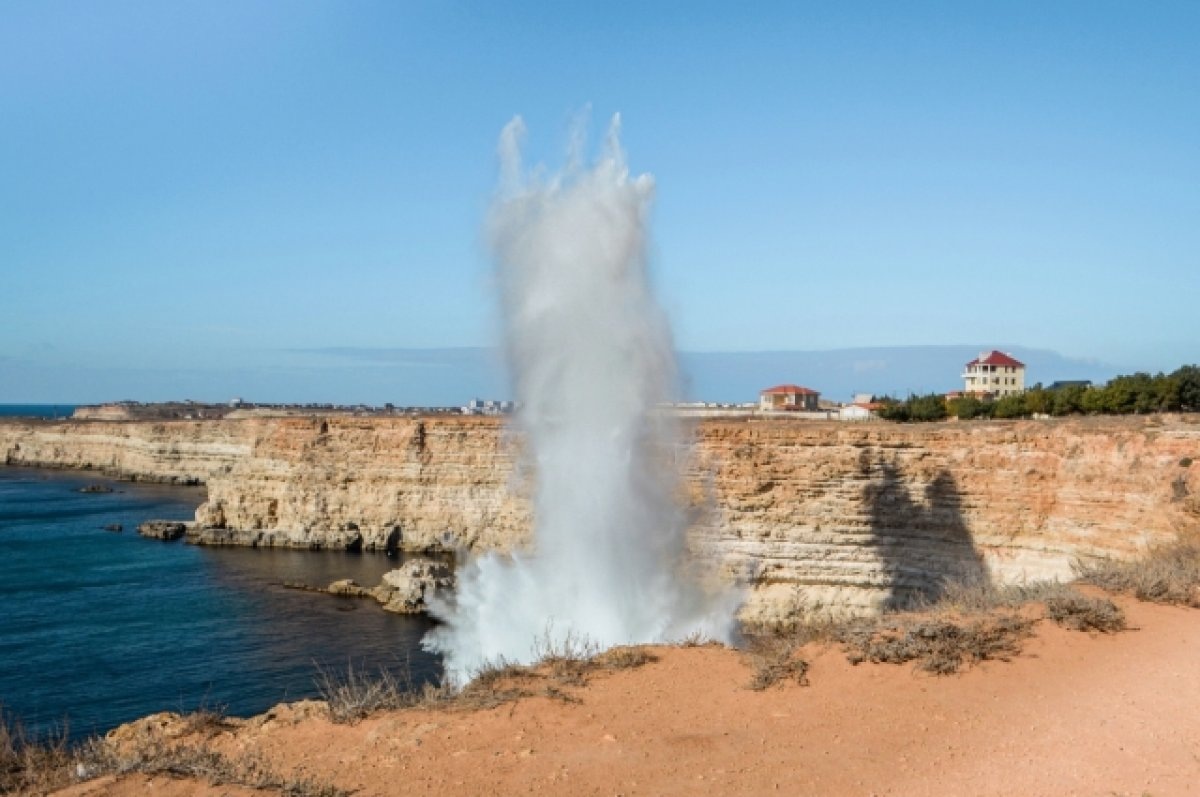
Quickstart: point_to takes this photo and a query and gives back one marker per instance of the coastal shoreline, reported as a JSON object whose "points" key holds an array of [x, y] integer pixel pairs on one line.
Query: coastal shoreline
{"points": [[858, 517]]}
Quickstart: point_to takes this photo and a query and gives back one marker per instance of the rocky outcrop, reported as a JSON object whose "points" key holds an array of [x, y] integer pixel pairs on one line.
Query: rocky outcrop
{"points": [[405, 590], [810, 513], [162, 529]]}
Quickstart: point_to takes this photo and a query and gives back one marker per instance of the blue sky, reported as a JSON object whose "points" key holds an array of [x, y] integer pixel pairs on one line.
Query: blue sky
{"points": [[198, 191]]}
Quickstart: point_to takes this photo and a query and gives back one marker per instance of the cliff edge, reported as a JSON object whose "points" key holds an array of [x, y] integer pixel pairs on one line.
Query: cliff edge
{"points": [[848, 516]]}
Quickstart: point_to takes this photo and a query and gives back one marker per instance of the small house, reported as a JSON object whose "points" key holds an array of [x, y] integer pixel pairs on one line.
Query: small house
{"points": [[859, 411], [789, 398]]}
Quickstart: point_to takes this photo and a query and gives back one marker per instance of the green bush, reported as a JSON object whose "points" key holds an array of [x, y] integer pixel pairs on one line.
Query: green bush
{"points": [[931, 407], [967, 407]]}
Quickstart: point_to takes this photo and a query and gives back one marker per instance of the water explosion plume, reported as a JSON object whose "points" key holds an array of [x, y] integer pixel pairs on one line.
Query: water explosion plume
{"points": [[590, 356]]}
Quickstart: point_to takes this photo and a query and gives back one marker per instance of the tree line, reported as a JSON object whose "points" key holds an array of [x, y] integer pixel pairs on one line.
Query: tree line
{"points": [[1140, 393]]}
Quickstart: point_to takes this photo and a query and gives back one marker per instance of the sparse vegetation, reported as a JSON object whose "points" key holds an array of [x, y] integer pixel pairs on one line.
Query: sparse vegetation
{"points": [[356, 694], [940, 645], [695, 640], [1064, 604], [570, 662], [154, 755], [1166, 574], [39, 766], [967, 624], [1078, 612], [774, 661], [30, 764]]}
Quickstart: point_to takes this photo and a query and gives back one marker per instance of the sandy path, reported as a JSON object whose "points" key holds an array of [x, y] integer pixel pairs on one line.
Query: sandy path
{"points": [[1075, 715]]}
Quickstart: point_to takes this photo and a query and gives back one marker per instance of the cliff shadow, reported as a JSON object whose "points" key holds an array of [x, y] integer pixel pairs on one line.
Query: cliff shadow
{"points": [[923, 546]]}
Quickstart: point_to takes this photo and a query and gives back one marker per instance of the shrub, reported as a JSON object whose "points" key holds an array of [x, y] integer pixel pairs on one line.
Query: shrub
{"points": [[30, 764], [355, 694], [1166, 574], [931, 407], [774, 661], [967, 407], [1078, 612], [938, 645]]}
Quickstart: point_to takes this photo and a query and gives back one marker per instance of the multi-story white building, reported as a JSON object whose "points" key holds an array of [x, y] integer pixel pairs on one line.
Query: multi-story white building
{"points": [[994, 374]]}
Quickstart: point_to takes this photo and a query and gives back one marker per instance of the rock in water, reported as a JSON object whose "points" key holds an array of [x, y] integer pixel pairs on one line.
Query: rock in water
{"points": [[162, 529], [406, 589], [114, 527], [348, 587], [96, 488]]}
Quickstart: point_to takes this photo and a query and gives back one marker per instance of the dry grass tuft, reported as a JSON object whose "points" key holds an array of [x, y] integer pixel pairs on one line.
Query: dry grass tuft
{"points": [[1078, 612], [696, 639], [569, 662], [1166, 574], [354, 694], [939, 645], [967, 624], [775, 661], [495, 684], [624, 657], [153, 756], [207, 721], [32, 765]]}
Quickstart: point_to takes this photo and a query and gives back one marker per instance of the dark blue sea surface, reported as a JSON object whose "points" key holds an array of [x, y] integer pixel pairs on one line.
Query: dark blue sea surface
{"points": [[36, 410], [100, 627]]}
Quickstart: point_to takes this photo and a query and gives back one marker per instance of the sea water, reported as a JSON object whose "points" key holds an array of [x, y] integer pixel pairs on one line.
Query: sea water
{"points": [[100, 627], [50, 411]]}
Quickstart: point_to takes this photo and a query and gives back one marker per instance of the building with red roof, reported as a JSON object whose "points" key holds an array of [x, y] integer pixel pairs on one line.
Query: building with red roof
{"points": [[789, 397], [994, 374]]}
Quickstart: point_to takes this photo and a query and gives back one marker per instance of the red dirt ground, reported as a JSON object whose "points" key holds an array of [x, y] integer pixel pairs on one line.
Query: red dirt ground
{"points": [[1075, 714]]}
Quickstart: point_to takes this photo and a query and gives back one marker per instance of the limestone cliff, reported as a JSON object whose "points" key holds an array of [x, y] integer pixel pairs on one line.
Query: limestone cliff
{"points": [[178, 452], [872, 515], [845, 515], [418, 484]]}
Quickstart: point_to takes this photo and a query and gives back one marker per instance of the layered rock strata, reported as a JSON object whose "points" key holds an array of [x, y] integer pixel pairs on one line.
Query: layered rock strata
{"points": [[182, 452], [856, 516]]}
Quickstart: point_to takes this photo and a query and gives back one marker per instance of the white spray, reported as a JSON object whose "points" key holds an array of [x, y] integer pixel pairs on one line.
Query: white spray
{"points": [[590, 356]]}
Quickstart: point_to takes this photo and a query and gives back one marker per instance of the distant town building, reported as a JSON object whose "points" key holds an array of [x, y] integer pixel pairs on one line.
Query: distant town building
{"points": [[859, 411], [789, 398], [994, 374], [1065, 383], [481, 407]]}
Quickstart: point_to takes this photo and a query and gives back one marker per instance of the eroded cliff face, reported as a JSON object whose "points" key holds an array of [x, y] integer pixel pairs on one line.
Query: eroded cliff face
{"points": [[868, 516], [848, 516], [417, 484], [176, 452]]}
